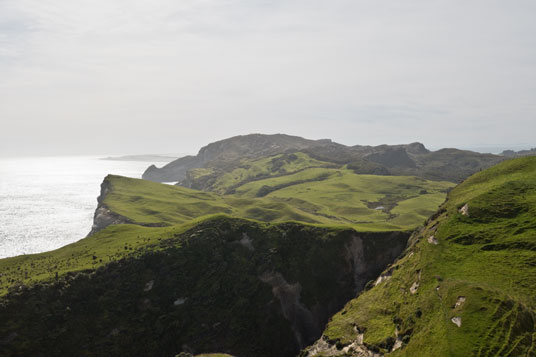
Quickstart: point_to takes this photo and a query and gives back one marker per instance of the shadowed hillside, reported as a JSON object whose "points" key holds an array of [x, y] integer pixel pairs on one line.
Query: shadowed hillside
{"points": [[223, 284]]}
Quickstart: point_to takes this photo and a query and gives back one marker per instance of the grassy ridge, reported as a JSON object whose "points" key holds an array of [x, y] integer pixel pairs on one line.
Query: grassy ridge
{"points": [[482, 270], [112, 244], [339, 197]]}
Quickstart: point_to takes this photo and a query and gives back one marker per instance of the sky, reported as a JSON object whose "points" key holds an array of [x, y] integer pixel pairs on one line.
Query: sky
{"points": [[169, 76]]}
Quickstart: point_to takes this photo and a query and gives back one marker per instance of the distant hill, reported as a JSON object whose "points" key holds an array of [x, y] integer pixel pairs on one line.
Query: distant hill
{"points": [[229, 153], [412, 159], [512, 153], [146, 158]]}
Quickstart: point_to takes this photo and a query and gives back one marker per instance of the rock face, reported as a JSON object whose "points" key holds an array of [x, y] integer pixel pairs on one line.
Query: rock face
{"points": [[411, 159], [206, 289], [103, 217]]}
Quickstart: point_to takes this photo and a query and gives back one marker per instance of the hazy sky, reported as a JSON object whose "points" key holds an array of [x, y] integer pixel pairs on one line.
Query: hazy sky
{"points": [[132, 76]]}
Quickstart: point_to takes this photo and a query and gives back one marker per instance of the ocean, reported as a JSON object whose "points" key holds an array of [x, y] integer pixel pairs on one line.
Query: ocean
{"points": [[48, 202]]}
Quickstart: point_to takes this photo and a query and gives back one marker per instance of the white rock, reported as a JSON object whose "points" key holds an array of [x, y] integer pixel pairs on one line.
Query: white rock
{"points": [[464, 210], [414, 287], [457, 321], [148, 286], [460, 301], [179, 301], [247, 242], [397, 345]]}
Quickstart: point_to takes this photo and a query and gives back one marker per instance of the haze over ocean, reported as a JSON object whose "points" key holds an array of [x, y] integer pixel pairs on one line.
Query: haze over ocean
{"points": [[48, 202]]}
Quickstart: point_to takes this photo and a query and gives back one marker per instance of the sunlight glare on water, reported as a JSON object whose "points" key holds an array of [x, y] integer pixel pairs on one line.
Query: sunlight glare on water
{"points": [[46, 203]]}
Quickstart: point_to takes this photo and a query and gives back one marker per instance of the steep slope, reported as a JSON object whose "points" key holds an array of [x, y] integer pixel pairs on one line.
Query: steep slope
{"points": [[222, 284], [465, 287], [220, 158]]}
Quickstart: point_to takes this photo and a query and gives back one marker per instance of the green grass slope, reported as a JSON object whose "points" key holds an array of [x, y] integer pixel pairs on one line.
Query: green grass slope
{"points": [[313, 195], [225, 182], [472, 265]]}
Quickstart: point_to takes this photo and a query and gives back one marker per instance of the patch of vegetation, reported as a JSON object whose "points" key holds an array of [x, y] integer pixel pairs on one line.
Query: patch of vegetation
{"points": [[265, 190], [261, 169], [365, 167], [480, 274]]}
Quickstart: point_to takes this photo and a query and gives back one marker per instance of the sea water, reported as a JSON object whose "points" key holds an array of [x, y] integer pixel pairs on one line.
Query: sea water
{"points": [[46, 203]]}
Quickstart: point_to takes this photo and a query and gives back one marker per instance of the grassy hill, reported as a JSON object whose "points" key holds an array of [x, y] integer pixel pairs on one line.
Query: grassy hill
{"points": [[225, 182], [465, 287], [313, 195]]}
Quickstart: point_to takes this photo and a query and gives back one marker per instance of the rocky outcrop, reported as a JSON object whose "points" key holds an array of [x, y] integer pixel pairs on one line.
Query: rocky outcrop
{"points": [[103, 217], [326, 349]]}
